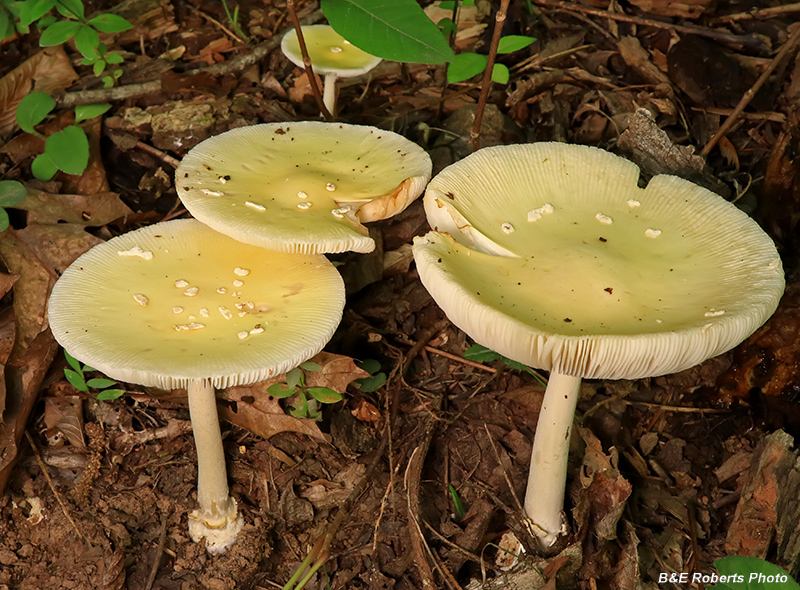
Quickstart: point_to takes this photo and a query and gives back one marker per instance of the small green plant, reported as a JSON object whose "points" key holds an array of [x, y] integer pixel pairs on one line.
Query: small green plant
{"points": [[376, 377], [401, 31], [308, 400], [77, 378], [461, 512], [11, 193], [746, 573], [233, 21], [481, 354], [66, 150]]}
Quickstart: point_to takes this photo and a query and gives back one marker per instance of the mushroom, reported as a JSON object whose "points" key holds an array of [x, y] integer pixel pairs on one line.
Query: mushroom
{"points": [[331, 55], [178, 305], [553, 256], [302, 187]]}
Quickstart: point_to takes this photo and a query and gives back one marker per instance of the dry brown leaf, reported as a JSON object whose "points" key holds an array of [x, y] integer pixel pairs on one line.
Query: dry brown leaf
{"points": [[48, 71], [30, 291], [6, 282], [254, 409], [336, 372], [65, 415], [88, 210], [57, 246], [8, 327]]}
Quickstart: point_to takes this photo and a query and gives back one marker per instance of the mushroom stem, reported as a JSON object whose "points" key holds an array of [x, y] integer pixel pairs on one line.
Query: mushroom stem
{"points": [[547, 479], [216, 519], [329, 93]]}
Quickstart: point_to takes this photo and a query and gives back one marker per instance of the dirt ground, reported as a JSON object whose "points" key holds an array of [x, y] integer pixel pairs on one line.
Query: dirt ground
{"points": [[666, 474]]}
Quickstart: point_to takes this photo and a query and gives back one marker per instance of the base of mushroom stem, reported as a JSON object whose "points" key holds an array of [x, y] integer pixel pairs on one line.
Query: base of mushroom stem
{"points": [[219, 526], [548, 538]]}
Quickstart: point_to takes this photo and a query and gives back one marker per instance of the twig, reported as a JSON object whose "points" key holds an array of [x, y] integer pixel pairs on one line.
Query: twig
{"points": [[164, 157], [162, 539], [412, 478], [751, 41], [762, 116], [224, 29], [312, 79], [757, 13], [460, 359], [486, 84], [52, 486], [237, 64], [790, 44]]}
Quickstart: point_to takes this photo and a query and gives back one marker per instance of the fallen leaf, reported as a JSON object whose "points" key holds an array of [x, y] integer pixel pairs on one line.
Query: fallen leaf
{"points": [[88, 210], [336, 372], [48, 71], [8, 327], [65, 415], [366, 412], [57, 246]]}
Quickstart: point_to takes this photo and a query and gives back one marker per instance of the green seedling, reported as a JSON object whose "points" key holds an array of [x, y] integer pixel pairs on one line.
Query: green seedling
{"points": [[11, 193], [481, 354], [233, 21], [744, 573], [376, 377], [77, 378], [308, 400], [66, 150], [459, 507]]}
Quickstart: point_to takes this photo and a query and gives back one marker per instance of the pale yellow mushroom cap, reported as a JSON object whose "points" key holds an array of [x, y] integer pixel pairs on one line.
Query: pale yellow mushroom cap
{"points": [[330, 53], [302, 187], [177, 302], [553, 256]]}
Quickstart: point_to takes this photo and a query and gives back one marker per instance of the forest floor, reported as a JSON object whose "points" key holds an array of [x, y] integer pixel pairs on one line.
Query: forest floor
{"points": [[666, 474]]}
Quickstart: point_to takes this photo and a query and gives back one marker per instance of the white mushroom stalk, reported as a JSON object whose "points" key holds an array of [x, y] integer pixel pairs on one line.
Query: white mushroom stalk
{"points": [[178, 305], [552, 255], [302, 187], [332, 56]]}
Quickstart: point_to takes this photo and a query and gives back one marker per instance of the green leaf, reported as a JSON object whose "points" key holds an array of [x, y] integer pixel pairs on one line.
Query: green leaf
{"points": [[325, 395], [73, 8], [512, 43], [100, 383], [69, 149], [369, 365], [73, 362], [43, 167], [280, 390], [33, 10], [87, 40], [309, 366], [460, 511], [3, 220], [90, 111], [46, 21], [751, 573], [480, 354], [108, 81], [294, 378], [98, 67], [464, 66], [59, 32], [500, 74], [11, 193], [114, 58], [447, 26], [372, 383], [110, 394], [110, 23], [32, 110], [6, 26], [76, 380], [398, 29]]}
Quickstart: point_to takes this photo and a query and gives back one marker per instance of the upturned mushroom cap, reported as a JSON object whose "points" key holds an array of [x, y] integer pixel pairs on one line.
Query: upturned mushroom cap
{"points": [[177, 302], [302, 187], [330, 53], [553, 256]]}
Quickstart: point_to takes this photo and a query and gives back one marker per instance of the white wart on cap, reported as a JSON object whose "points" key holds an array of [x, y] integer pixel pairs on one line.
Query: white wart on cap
{"points": [[176, 302], [302, 187], [554, 257]]}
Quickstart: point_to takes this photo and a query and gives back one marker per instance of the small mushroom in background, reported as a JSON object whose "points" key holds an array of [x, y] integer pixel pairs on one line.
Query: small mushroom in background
{"points": [[302, 187], [552, 255], [332, 56], [178, 305]]}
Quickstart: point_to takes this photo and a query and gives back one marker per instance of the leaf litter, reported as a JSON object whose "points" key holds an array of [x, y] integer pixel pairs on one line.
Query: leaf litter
{"points": [[666, 474]]}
